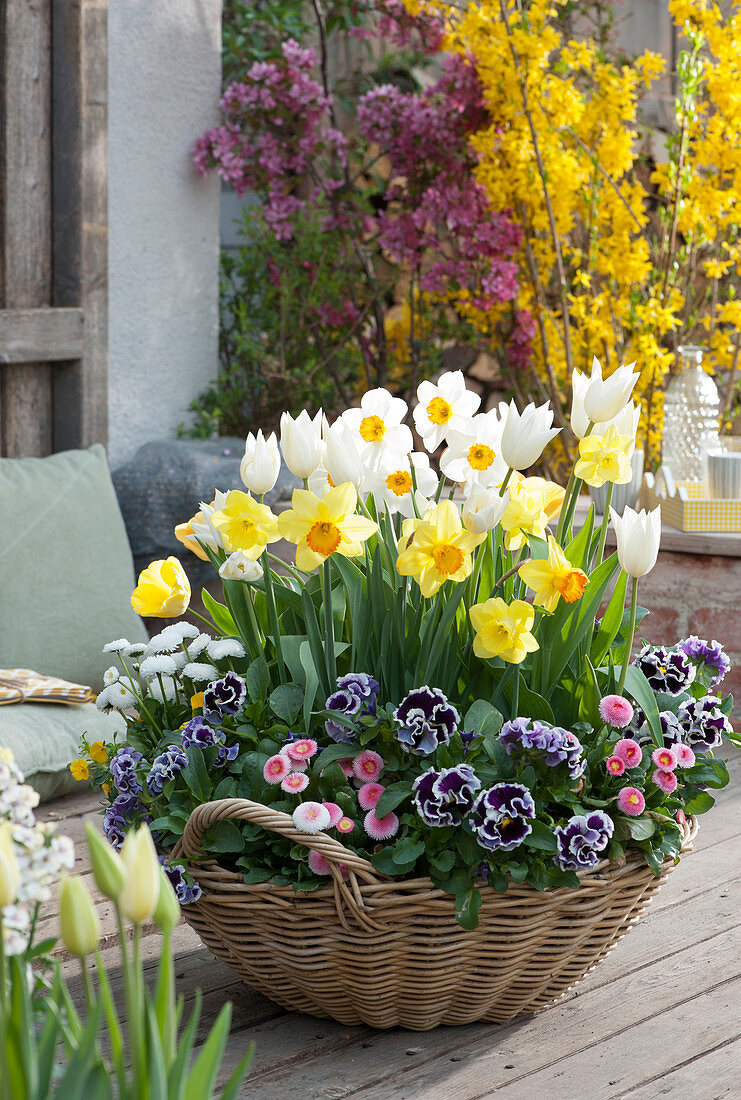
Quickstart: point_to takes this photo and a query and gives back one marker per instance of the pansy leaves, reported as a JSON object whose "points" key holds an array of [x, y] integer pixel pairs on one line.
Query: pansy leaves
{"points": [[392, 797]]}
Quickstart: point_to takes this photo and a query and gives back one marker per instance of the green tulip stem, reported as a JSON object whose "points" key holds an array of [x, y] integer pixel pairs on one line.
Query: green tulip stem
{"points": [[329, 623], [3, 969], [87, 982], [516, 694], [631, 632], [605, 525], [571, 496], [505, 483], [133, 1018], [273, 616], [295, 573]]}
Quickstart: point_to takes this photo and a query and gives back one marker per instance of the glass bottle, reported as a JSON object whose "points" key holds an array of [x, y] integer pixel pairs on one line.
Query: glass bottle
{"points": [[691, 417]]}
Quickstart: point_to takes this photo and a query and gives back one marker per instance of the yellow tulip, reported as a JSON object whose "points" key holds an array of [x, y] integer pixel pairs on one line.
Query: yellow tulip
{"points": [[245, 524], [10, 875], [436, 548], [79, 925], [163, 591], [503, 630], [554, 579], [321, 527], [139, 897]]}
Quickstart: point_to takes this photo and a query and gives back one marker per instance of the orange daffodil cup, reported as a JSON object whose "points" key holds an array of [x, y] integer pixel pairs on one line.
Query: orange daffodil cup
{"points": [[322, 526]]}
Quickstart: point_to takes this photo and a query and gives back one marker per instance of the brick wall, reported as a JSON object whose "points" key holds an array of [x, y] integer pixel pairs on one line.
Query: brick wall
{"points": [[696, 594]]}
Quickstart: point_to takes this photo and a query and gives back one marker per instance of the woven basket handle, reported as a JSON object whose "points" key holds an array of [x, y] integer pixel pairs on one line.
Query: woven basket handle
{"points": [[348, 894]]}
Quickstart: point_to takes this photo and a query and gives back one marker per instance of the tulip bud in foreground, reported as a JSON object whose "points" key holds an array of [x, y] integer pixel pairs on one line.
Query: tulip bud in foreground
{"points": [[138, 900], [109, 871], [78, 921], [10, 876], [638, 537], [167, 914]]}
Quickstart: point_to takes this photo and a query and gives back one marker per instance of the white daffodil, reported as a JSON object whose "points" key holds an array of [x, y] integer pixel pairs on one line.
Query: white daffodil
{"points": [[343, 459], [260, 465], [392, 484], [442, 406], [638, 537], [377, 426], [473, 456], [301, 442], [238, 567], [483, 509], [605, 397], [526, 434]]}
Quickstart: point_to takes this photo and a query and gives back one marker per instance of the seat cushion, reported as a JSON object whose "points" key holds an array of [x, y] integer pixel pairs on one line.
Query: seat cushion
{"points": [[66, 572], [45, 737]]}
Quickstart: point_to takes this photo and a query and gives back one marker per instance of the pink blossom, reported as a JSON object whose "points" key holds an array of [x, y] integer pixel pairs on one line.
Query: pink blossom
{"points": [[666, 781], [665, 759], [310, 817], [345, 825], [368, 765], [347, 768], [615, 765], [301, 750], [276, 768], [680, 816], [369, 794], [615, 711], [631, 801], [380, 828], [295, 783], [685, 755], [319, 864], [629, 751], [335, 813]]}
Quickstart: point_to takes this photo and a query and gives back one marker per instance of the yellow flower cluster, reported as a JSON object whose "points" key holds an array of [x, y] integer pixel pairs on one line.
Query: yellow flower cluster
{"points": [[601, 273]]}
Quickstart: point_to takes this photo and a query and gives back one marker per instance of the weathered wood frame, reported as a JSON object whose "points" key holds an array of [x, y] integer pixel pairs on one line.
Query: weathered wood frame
{"points": [[53, 225]]}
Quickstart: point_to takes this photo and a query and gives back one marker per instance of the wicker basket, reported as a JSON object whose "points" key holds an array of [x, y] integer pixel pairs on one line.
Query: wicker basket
{"points": [[386, 952]]}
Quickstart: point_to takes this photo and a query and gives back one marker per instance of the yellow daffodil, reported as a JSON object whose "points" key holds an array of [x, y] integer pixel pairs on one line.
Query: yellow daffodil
{"points": [[554, 579], [552, 494], [605, 458], [163, 590], [245, 524], [80, 769], [324, 526], [525, 514], [503, 630], [98, 752], [436, 548]]}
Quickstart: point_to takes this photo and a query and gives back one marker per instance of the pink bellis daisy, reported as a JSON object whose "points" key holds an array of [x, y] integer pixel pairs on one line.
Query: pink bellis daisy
{"points": [[345, 825], [301, 750], [369, 794], [680, 817], [665, 760], [347, 768], [311, 817], [380, 828], [614, 765], [295, 783], [629, 751], [615, 711], [631, 801], [318, 864], [294, 765], [276, 768], [665, 781], [335, 813], [685, 755], [368, 766]]}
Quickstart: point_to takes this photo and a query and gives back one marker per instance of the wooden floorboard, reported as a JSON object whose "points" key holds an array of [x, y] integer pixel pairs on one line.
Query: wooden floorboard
{"points": [[661, 1016]]}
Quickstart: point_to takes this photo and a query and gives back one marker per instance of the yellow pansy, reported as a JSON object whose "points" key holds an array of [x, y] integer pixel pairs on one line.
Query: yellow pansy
{"points": [[79, 769], [605, 458], [98, 752], [163, 590], [503, 630], [324, 526], [196, 702], [436, 548], [554, 579], [245, 524]]}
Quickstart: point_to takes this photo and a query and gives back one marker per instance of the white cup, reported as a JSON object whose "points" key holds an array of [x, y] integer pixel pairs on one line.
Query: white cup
{"points": [[724, 475]]}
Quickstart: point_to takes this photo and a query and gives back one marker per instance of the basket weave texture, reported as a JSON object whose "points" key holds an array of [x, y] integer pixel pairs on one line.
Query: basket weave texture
{"points": [[388, 952]]}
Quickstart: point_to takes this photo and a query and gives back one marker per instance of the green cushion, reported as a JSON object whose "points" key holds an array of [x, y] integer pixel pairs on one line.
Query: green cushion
{"points": [[45, 737], [66, 572]]}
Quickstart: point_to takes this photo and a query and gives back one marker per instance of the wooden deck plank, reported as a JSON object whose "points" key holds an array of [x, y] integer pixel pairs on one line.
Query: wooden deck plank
{"points": [[714, 1076]]}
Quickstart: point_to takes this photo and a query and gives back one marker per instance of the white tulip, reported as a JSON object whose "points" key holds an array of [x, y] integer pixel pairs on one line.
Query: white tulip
{"points": [[483, 509], [238, 567], [579, 419], [605, 397], [626, 422], [342, 457], [260, 466], [526, 434], [301, 442], [638, 537]]}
